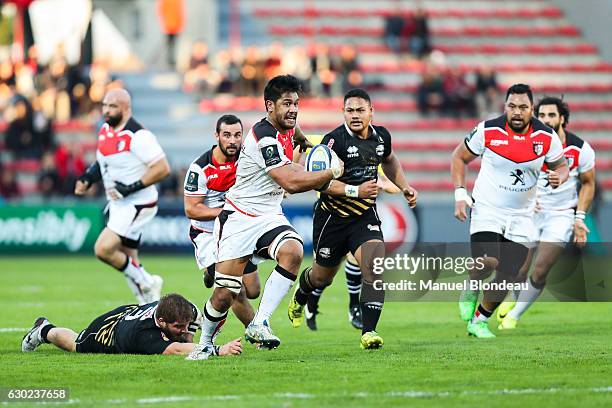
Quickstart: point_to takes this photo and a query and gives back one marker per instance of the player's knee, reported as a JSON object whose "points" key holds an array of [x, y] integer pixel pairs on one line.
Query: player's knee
{"points": [[102, 251], [290, 255], [252, 291], [489, 264], [539, 275], [222, 298]]}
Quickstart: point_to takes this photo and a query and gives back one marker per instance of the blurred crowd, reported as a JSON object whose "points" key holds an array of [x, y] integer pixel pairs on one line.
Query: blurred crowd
{"points": [[323, 70], [407, 33], [34, 97]]}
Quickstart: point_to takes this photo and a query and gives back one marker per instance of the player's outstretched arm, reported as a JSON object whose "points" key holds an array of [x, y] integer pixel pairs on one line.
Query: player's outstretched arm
{"points": [[194, 350], [459, 161], [394, 172], [368, 189]]}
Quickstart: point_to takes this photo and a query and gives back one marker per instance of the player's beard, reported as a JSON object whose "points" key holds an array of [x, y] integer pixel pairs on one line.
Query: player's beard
{"points": [[113, 121], [521, 129], [226, 153]]}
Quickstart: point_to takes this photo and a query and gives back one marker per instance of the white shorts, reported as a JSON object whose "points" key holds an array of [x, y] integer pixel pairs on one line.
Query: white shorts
{"points": [[554, 226], [237, 235], [128, 220], [517, 228], [205, 249]]}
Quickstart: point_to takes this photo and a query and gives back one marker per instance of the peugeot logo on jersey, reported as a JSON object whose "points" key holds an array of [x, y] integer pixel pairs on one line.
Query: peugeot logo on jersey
{"points": [[352, 151], [538, 148], [120, 145], [518, 177], [380, 150]]}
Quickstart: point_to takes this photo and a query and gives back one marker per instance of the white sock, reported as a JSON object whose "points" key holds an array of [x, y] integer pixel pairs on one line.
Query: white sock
{"points": [[525, 299], [277, 286], [137, 274], [211, 324], [135, 289], [481, 315]]}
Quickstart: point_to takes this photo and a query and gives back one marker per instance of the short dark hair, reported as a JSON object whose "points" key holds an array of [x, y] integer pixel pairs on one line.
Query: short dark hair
{"points": [[174, 308], [277, 86], [228, 120], [562, 107], [357, 93], [520, 89]]}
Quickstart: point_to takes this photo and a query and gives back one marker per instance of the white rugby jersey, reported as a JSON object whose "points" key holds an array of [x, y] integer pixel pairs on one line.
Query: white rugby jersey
{"points": [[255, 192], [125, 156], [209, 179], [511, 162], [580, 159]]}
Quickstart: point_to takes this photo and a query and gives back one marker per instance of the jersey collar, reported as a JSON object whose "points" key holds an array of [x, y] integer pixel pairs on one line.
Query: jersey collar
{"points": [[370, 134]]}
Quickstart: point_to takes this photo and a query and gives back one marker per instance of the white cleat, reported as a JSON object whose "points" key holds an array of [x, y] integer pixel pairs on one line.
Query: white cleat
{"points": [[153, 292], [262, 336], [33, 339]]}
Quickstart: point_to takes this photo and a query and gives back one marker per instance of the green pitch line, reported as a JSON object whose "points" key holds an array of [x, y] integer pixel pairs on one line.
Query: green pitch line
{"points": [[559, 356]]}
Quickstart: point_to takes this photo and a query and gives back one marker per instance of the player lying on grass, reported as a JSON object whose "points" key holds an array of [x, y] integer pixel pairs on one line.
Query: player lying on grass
{"points": [[163, 327]]}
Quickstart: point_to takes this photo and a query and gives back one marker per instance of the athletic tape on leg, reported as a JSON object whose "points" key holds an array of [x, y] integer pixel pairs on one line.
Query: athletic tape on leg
{"points": [[229, 282]]}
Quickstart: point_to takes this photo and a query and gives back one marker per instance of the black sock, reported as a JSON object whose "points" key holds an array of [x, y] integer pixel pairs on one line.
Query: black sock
{"points": [[353, 282], [313, 300], [305, 288], [45, 331], [371, 302]]}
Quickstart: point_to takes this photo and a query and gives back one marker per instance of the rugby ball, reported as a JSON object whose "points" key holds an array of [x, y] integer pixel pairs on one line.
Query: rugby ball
{"points": [[319, 158]]}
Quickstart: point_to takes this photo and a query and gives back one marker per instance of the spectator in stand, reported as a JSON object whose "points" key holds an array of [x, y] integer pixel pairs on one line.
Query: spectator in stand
{"points": [[272, 64], [198, 70], [9, 189], [171, 18], [324, 70], [430, 92], [251, 73], [70, 165], [20, 138], [348, 68], [416, 32], [460, 97], [48, 177], [487, 91], [394, 26]]}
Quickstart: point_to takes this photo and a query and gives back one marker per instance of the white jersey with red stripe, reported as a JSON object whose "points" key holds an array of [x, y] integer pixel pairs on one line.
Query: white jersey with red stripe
{"points": [[580, 159], [511, 163], [125, 156], [255, 192], [209, 179]]}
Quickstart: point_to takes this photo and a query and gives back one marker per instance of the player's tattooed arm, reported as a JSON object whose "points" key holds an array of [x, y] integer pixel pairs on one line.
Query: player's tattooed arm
{"points": [[558, 172], [394, 172]]}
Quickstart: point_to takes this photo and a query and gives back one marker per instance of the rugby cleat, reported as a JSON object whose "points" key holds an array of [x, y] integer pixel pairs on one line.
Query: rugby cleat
{"points": [[371, 340], [467, 304], [34, 339], [295, 310], [508, 323], [480, 330], [153, 292], [504, 309], [354, 315], [311, 318], [261, 335]]}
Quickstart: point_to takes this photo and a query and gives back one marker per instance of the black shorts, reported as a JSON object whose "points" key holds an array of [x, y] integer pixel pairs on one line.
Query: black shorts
{"points": [[92, 340], [334, 236], [510, 255]]}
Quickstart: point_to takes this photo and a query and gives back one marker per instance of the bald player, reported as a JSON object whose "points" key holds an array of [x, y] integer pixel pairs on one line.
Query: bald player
{"points": [[129, 162]]}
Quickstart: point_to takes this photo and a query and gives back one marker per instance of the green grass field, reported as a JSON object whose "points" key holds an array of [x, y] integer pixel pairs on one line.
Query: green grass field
{"points": [[559, 356]]}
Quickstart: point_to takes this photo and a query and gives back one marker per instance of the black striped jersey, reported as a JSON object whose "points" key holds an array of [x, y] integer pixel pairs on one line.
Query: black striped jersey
{"points": [[361, 159], [133, 329]]}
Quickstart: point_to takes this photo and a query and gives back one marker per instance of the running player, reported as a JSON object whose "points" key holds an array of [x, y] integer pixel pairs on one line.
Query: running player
{"points": [[206, 182], [560, 211], [166, 326], [252, 219], [345, 218], [129, 162], [513, 148]]}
